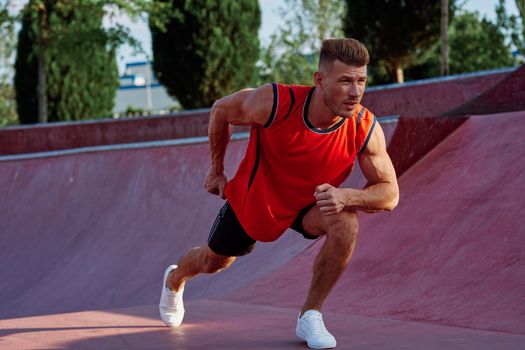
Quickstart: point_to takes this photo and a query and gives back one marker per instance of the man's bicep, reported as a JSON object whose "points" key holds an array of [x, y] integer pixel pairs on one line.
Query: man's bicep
{"points": [[247, 106], [374, 160]]}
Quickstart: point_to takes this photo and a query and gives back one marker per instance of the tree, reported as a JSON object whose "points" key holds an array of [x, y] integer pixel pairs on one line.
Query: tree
{"points": [[520, 4], [512, 27], [444, 37], [293, 52], [78, 63], [59, 26], [394, 32], [7, 47], [477, 44], [209, 49]]}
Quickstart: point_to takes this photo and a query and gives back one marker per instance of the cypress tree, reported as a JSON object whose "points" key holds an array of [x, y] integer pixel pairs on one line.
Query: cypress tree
{"points": [[80, 65], [209, 49]]}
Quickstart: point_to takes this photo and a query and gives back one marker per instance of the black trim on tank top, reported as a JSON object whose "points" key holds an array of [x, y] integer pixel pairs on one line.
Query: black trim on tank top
{"points": [[292, 99], [309, 125], [359, 117], [256, 163], [274, 106], [368, 136]]}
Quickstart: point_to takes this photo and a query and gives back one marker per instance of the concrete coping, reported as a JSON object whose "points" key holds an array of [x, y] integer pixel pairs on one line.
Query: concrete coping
{"points": [[108, 120], [140, 145], [440, 79]]}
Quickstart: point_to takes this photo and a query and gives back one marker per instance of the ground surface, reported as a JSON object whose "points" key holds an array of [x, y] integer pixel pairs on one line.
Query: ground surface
{"points": [[85, 238]]}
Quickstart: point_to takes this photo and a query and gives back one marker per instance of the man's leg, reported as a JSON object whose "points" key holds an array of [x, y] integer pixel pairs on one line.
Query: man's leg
{"points": [[197, 260], [341, 234], [227, 240]]}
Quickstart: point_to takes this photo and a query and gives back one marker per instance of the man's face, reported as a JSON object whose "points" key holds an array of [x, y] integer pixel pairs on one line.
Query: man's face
{"points": [[342, 87]]}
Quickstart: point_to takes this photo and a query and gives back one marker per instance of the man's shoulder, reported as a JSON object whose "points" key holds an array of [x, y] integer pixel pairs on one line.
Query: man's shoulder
{"points": [[294, 87], [292, 93]]}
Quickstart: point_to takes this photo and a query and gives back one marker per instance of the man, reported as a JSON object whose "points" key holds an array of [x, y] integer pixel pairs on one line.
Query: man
{"points": [[303, 144]]}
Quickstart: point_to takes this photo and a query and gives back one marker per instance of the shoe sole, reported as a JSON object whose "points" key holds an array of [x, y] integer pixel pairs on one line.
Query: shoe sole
{"points": [[303, 337]]}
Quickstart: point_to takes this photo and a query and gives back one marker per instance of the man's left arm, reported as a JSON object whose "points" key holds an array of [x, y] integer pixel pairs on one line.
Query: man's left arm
{"points": [[382, 194]]}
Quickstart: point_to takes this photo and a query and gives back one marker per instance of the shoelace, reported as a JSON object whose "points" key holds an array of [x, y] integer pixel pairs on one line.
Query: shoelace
{"points": [[172, 299], [318, 327]]}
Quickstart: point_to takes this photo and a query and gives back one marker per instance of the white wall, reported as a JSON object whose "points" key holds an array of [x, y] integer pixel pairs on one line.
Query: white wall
{"points": [[137, 97]]}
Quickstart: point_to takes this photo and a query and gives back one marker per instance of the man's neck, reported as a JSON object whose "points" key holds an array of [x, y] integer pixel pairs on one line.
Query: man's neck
{"points": [[319, 115]]}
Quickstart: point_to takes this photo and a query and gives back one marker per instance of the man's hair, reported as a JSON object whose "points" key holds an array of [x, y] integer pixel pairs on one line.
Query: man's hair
{"points": [[349, 51]]}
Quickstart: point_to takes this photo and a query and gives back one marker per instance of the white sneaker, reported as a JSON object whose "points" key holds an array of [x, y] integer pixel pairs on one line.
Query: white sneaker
{"points": [[310, 327], [171, 306]]}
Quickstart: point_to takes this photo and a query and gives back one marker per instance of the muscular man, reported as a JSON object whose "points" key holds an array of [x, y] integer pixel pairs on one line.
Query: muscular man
{"points": [[303, 144]]}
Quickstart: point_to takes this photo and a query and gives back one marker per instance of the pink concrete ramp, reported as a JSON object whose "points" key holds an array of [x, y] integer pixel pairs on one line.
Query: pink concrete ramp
{"points": [[85, 239], [506, 96], [95, 230], [431, 97], [450, 254], [85, 236]]}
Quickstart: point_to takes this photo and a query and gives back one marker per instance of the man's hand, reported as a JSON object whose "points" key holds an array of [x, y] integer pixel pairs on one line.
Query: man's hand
{"points": [[330, 199], [215, 183]]}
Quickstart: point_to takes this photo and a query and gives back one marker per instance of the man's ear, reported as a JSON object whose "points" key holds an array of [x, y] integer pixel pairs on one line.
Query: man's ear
{"points": [[318, 77]]}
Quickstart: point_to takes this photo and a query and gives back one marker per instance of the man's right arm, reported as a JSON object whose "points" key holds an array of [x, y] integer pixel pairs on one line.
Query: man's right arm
{"points": [[245, 107]]}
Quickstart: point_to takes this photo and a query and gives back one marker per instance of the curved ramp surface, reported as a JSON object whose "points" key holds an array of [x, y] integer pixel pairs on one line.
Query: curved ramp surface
{"points": [[85, 239], [506, 96], [451, 253], [102, 225], [431, 97], [96, 230]]}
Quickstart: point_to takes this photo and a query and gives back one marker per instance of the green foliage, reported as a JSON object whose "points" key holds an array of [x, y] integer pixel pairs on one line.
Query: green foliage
{"points": [[8, 114], [293, 52], [426, 63], [395, 32], [477, 44], [209, 49], [520, 4], [158, 13], [512, 28], [135, 111], [80, 64]]}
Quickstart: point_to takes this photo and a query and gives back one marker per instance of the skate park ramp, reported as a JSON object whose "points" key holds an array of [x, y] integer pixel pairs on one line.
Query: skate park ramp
{"points": [[86, 236]]}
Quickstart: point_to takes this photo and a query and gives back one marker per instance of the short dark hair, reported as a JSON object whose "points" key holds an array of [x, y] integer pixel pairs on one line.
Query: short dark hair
{"points": [[349, 51]]}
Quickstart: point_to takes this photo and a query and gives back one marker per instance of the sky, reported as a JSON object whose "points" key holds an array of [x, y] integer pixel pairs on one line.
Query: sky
{"points": [[270, 22]]}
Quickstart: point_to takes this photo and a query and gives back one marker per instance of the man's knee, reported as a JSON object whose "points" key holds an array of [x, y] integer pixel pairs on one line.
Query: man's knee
{"points": [[215, 262], [343, 227]]}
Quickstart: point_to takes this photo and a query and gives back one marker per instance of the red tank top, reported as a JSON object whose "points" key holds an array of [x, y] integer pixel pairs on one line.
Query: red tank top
{"points": [[288, 158]]}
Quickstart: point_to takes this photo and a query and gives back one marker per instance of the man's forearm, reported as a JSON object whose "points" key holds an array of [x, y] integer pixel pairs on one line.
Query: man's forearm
{"points": [[219, 136], [375, 198]]}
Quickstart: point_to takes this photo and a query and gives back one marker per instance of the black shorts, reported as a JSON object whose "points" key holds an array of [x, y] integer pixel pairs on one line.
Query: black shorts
{"points": [[227, 237]]}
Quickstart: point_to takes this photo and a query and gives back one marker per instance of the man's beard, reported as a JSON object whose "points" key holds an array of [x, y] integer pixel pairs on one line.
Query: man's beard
{"points": [[333, 108]]}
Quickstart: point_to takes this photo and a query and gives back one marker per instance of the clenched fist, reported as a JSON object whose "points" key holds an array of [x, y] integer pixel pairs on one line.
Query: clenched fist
{"points": [[215, 183], [329, 199]]}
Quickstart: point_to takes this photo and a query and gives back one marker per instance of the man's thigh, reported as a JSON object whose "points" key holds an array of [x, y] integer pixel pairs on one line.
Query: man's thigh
{"points": [[316, 224]]}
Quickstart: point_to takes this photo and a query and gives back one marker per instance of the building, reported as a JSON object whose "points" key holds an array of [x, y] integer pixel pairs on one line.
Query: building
{"points": [[140, 90]]}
